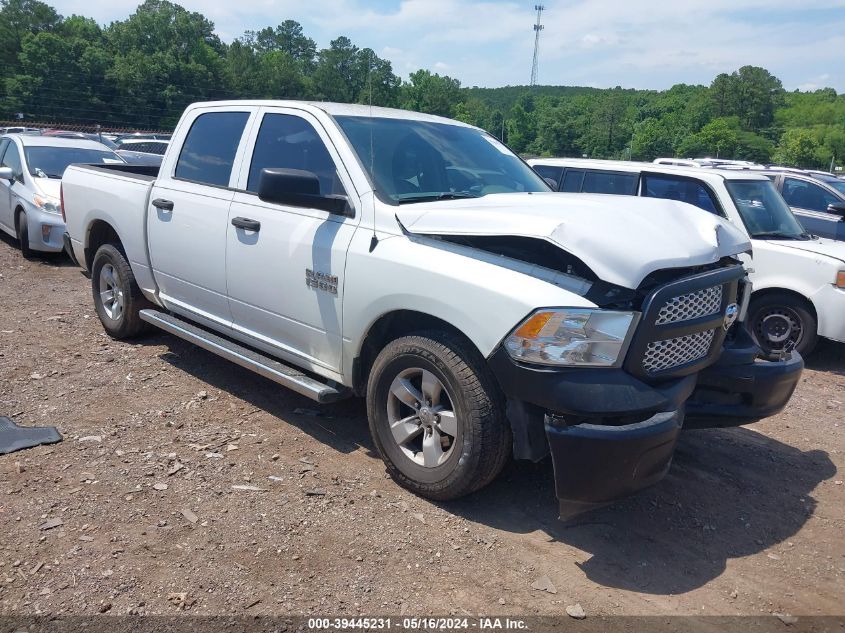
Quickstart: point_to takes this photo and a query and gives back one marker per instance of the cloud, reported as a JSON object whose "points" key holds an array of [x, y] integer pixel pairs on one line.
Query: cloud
{"points": [[638, 43]]}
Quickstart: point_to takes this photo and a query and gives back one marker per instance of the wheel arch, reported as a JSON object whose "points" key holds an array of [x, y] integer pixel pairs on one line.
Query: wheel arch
{"points": [[390, 326], [17, 216], [767, 292], [99, 232]]}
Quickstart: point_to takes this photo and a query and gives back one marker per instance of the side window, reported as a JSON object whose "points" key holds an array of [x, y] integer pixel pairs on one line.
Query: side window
{"points": [[572, 181], [619, 183], [290, 142], [547, 171], [12, 158], [4, 143], [209, 150], [686, 190], [806, 195]]}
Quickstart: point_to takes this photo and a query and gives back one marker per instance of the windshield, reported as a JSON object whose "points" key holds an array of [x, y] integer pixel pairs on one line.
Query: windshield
{"points": [[51, 162], [764, 212], [413, 161]]}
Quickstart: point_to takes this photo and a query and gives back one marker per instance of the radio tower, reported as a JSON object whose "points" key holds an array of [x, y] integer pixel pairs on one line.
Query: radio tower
{"points": [[539, 8]]}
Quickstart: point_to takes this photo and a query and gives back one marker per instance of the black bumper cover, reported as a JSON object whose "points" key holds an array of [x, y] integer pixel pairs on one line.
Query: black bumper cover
{"points": [[68, 248], [610, 434]]}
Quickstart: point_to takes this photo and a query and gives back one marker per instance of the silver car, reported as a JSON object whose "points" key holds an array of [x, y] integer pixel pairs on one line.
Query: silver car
{"points": [[31, 169]]}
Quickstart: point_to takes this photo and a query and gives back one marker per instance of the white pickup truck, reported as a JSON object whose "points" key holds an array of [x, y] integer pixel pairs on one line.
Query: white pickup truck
{"points": [[345, 250]]}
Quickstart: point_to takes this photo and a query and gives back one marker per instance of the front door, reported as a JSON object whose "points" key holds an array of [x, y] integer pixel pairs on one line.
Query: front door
{"points": [[285, 275], [188, 217]]}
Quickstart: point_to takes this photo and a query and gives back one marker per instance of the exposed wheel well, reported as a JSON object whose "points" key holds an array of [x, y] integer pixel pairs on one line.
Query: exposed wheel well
{"points": [[100, 232], [389, 327], [766, 292]]}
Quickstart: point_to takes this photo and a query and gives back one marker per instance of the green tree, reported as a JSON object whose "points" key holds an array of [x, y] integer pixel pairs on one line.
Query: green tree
{"points": [[19, 18], [431, 93], [797, 147]]}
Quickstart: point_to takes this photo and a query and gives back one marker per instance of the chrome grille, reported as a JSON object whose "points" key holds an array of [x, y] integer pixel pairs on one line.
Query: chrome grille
{"points": [[705, 302], [673, 352]]}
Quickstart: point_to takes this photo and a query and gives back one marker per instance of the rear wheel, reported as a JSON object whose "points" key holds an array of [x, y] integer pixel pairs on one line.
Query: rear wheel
{"points": [[436, 416], [23, 236], [117, 297], [781, 321]]}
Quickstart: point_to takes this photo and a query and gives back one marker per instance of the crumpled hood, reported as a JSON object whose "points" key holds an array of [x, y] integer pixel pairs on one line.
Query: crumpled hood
{"points": [[818, 246], [622, 239]]}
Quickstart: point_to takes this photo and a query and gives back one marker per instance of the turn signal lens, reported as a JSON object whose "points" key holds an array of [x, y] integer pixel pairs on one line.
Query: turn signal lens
{"points": [[840, 279], [534, 325]]}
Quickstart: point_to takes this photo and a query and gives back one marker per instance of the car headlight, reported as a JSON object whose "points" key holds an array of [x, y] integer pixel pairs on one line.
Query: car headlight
{"points": [[573, 336], [47, 204]]}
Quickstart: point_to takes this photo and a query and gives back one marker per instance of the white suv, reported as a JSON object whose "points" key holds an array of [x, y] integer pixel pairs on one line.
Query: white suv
{"points": [[799, 280]]}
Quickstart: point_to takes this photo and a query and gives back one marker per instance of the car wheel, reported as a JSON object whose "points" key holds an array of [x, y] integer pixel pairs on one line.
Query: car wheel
{"points": [[23, 236], [117, 297], [436, 416], [780, 321]]}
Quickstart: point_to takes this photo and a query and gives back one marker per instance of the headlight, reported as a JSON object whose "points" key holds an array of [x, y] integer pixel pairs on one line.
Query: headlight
{"points": [[840, 279], [572, 336], [47, 204]]}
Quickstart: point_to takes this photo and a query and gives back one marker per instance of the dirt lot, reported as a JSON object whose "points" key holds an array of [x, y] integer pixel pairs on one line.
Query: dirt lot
{"points": [[158, 436]]}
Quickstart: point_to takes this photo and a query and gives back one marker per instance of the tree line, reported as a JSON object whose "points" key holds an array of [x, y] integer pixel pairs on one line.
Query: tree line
{"points": [[141, 73]]}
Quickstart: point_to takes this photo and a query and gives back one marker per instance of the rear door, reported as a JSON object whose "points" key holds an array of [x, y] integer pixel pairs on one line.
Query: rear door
{"points": [[286, 279], [189, 210]]}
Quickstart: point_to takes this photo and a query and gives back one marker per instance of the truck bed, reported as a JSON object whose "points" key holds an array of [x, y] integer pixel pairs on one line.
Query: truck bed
{"points": [[140, 172]]}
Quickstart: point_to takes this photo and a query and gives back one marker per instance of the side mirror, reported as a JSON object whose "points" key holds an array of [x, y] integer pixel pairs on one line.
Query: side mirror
{"points": [[298, 188], [6, 173], [551, 182], [835, 207]]}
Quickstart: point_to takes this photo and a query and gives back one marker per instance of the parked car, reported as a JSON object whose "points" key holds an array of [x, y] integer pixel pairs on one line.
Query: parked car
{"points": [[345, 250], [141, 151], [817, 198], [798, 279], [31, 169]]}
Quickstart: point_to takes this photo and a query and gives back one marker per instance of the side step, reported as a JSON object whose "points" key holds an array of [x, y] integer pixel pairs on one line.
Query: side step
{"points": [[245, 357]]}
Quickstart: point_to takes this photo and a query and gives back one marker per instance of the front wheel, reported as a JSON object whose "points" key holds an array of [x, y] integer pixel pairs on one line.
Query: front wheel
{"points": [[780, 321], [436, 416], [23, 236], [117, 297]]}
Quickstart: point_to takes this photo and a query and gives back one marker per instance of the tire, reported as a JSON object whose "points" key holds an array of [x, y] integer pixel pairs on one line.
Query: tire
{"points": [[776, 319], [475, 442], [119, 313], [23, 236]]}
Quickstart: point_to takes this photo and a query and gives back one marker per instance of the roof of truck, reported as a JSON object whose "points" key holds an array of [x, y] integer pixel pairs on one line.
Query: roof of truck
{"points": [[702, 173], [332, 109]]}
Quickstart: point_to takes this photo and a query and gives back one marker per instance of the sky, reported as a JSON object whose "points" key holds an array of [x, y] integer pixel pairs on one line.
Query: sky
{"points": [[601, 43]]}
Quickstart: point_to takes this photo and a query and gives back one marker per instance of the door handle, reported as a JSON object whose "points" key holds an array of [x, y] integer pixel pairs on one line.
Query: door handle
{"points": [[164, 205], [246, 224]]}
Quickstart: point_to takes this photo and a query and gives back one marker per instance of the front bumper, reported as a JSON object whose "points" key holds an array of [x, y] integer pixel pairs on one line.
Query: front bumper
{"points": [[740, 388], [610, 434], [46, 230]]}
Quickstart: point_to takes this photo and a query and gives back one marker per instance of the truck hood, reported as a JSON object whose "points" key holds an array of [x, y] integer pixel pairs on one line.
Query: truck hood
{"points": [[622, 239], [818, 246]]}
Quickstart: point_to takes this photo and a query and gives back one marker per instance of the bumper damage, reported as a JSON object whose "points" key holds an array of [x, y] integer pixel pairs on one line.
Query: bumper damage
{"points": [[610, 434]]}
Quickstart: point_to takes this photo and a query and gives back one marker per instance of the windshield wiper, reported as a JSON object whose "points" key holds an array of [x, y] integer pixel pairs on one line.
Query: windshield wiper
{"points": [[775, 235], [446, 195]]}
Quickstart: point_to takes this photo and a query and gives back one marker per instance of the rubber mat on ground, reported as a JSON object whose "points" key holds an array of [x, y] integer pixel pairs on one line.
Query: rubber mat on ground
{"points": [[15, 438]]}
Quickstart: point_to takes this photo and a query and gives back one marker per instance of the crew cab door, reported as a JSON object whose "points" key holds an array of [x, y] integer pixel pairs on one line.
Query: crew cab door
{"points": [[187, 219], [285, 270]]}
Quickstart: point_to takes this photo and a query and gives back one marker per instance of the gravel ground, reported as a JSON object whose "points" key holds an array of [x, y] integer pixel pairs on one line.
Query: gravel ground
{"points": [[187, 484]]}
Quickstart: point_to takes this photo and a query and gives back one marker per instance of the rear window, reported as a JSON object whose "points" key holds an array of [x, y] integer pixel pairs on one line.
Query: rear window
{"points": [[547, 171], [683, 189], [208, 153]]}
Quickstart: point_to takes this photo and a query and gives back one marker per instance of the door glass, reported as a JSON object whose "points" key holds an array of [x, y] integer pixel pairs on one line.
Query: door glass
{"points": [[572, 181], [547, 171], [686, 190], [289, 142], [209, 150], [3, 144], [12, 158], [618, 183], [806, 195]]}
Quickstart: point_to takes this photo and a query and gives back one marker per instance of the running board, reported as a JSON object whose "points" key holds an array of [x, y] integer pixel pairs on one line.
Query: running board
{"points": [[259, 363]]}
